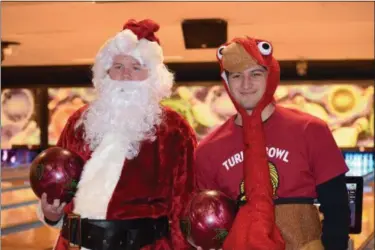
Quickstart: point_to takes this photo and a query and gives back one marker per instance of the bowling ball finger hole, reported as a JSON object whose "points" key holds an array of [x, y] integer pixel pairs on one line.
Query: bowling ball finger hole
{"points": [[39, 172]]}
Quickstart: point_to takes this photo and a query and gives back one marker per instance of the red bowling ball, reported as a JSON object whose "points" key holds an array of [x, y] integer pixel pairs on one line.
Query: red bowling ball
{"points": [[208, 218], [56, 172]]}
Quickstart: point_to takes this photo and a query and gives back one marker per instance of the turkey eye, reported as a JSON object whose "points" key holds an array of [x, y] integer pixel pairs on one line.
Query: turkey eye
{"points": [[220, 52], [265, 48]]}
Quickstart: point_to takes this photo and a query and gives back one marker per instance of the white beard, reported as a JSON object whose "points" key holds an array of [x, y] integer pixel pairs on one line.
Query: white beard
{"points": [[129, 109], [124, 115]]}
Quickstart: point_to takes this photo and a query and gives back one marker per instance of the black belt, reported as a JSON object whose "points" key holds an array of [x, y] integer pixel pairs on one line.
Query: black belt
{"points": [[113, 234], [279, 201]]}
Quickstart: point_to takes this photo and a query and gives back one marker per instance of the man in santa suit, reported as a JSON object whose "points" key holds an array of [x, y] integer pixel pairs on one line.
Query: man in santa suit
{"points": [[138, 154]]}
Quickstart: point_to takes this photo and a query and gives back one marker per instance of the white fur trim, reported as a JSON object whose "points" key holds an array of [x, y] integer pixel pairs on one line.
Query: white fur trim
{"points": [[40, 215], [150, 52], [99, 178], [137, 55]]}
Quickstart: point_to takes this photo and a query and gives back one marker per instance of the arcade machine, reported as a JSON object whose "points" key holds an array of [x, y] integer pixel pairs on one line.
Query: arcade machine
{"points": [[360, 184], [360, 179], [355, 193]]}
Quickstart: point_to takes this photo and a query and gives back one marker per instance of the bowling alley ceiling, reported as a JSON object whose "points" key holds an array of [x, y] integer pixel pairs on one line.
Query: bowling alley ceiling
{"points": [[70, 33]]}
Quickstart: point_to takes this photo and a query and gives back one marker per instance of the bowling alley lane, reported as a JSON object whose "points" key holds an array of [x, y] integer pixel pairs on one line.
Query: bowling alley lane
{"points": [[19, 215], [14, 183], [13, 173], [16, 196], [42, 238]]}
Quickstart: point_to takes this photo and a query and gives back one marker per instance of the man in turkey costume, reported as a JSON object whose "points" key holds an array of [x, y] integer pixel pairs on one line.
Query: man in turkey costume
{"points": [[273, 160], [138, 154]]}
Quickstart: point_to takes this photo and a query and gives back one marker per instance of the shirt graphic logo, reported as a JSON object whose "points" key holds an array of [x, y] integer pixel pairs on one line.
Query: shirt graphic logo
{"points": [[274, 181], [272, 153]]}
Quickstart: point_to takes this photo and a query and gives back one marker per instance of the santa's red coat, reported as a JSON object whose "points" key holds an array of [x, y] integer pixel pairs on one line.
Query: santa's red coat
{"points": [[156, 183]]}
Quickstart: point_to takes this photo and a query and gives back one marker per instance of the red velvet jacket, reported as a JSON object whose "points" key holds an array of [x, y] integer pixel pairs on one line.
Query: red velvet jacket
{"points": [[156, 183]]}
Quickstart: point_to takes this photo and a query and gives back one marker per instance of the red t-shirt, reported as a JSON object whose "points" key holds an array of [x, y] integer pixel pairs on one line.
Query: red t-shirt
{"points": [[301, 150]]}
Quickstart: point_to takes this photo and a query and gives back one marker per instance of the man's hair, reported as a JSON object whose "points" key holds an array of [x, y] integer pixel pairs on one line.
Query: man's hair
{"points": [[227, 73]]}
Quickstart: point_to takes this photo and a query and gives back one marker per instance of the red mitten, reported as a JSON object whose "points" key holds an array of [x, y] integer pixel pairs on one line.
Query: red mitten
{"points": [[237, 237]]}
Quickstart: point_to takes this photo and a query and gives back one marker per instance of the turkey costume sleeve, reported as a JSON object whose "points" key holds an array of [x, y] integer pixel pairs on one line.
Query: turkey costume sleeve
{"points": [[183, 183]]}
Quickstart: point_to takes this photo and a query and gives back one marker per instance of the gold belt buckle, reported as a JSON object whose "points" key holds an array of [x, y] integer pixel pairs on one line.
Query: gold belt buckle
{"points": [[73, 246]]}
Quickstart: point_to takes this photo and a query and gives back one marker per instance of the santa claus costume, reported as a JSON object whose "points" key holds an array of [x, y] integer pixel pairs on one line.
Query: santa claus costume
{"points": [[138, 155]]}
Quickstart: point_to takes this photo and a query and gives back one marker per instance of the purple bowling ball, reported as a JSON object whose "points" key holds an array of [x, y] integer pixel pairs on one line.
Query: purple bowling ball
{"points": [[56, 172], [208, 218]]}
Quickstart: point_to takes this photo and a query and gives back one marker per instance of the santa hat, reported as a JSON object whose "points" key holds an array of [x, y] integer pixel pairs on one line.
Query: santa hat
{"points": [[138, 40]]}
